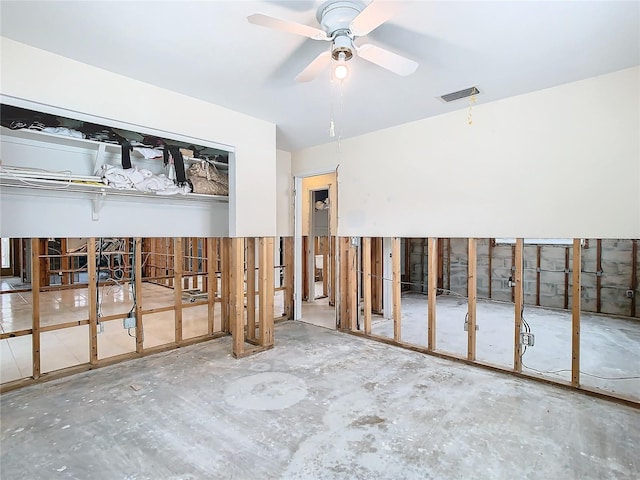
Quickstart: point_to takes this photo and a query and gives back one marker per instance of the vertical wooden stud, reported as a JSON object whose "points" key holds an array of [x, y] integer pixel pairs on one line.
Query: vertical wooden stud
{"points": [[490, 279], [265, 297], [538, 263], [325, 266], [378, 272], [288, 277], [305, 269], [236, 293], [225, 269], [211, 280], [93, 300], [575, 312], [352, 286], [366, 283], [251, 287], [396, 289], [472, 280], [178, 258], [634, 275], [432, 281], [566, 278], [35, 313], [333, 267], [598, 275], [139, 299], [518, 294], [344, 289]]}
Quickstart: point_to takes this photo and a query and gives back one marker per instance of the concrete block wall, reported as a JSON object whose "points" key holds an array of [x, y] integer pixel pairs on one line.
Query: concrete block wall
{"points": [[555, 284]]}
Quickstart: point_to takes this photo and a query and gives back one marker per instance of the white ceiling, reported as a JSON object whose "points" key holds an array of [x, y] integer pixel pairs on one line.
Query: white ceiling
{"points": [[208, 50]]}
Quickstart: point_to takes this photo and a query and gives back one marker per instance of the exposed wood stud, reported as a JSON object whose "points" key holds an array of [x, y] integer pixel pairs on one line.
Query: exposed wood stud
{"points": [[538, 263], [178, 265], [333, 269], [224, 279], [518, 300], [251, 287], [432, 266], [440, 257], [35, 300], [378, 272], [575, 313], [93, 300], [265, 272], [305, 269], [211, 282], [598, 277], [634, 275], [448, 264], [490, 273], [352, 287], [366, 283], [396, 288], [325, 265], [139, 296], [236, 293], [566, 278], [344, 287], [472, 293], [513, 263], [288, 277], [422, 255]]}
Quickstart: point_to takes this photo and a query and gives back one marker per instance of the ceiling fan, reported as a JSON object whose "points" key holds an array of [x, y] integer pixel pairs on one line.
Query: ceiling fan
{"points": [[343, 21]]}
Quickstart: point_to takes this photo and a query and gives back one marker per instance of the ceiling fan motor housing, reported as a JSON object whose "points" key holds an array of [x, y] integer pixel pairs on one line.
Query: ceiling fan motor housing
{"points": [[335, 18]]}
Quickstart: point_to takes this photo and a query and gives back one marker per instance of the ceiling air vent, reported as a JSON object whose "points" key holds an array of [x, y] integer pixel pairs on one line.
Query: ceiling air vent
{"points": [[467, 92]]}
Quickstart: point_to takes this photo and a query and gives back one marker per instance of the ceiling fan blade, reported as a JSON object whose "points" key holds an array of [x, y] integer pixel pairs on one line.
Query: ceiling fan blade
{"points": [[287, 26], [374, 15], [314, 68], [386, 59]]}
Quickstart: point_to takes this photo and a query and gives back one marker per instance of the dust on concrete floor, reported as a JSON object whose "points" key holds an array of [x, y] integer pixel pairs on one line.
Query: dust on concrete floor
{"points": [[609, 346], [321, 404]]}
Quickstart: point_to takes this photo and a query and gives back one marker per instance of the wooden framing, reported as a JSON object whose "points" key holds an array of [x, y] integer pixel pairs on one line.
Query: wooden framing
{"points": [[598, 275], [575, 312], [333, 268], [432, 266], [212, 281], [344, 287], [538, 263], [396, 288], [251, 287], [288, 255], [236, 293], [471, 295], [138, 289], [377, 275], [634, 275], [178, 265], [93, 301], [352, 286], [366, 283], [265, 291], [35, 313], [225, 268], [518, 294]]}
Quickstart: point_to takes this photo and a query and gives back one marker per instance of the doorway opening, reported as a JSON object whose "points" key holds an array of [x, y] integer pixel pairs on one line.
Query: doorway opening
{"points": [[315, 243]]}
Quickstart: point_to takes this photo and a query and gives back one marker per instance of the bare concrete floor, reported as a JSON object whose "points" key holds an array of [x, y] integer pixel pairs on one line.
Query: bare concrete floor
{"points": [[322, 404], [609, 346]]}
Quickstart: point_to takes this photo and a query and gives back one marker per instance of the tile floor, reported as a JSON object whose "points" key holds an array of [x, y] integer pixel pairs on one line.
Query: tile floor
{"points": [[70, 346]]}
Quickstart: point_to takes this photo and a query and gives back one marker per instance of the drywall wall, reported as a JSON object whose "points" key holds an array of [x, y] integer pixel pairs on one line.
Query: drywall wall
{"points": [[316, 182], [53, 81], [284, 199], [557, 163]]}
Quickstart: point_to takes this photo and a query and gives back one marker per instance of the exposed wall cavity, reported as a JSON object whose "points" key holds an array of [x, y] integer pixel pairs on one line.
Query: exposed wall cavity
{"points": [[610, 282]]}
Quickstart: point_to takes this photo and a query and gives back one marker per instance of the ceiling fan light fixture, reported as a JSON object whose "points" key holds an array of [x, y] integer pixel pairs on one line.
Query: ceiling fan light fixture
{"points": [[340, 70]]}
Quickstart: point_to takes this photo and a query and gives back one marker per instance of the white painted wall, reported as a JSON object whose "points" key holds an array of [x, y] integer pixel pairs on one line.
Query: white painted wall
{"points": [[560, 162], [284, 198], [57, 82]]}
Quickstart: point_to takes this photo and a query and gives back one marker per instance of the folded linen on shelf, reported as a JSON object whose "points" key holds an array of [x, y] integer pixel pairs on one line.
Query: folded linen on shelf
{"points": [[140, 179], [147, 152]]}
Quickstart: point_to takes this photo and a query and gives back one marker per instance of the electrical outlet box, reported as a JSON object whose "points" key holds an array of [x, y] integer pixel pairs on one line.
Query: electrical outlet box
{"points": [[466, 327], [527, 339], [100, 327], [130, 321]]}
